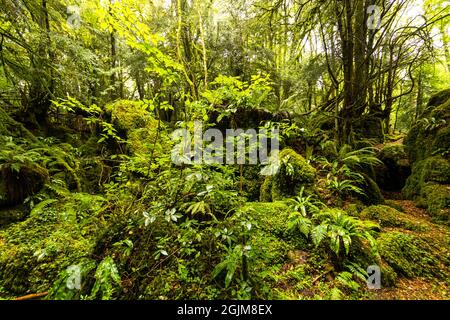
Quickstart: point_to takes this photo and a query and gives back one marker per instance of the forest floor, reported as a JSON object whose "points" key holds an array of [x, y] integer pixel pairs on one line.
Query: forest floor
{"points": [[418, 288]]}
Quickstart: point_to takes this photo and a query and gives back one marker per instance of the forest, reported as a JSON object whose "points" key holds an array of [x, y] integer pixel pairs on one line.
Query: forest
{"points": [[224, 150]]}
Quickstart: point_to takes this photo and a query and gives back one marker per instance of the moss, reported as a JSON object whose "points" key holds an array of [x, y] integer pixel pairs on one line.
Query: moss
{"points": [[421, 141], [388, 275], [10, 127], [272, 217], [441, 142], [412, 256], [56, 235], [437, 201], [60, 290], [414, 183], [433, 169], [436, 169], [394, 153], [442, 111], [395, 205], [439, 98], [18, 184], [389, 217], [412, 140], [127, 115], [270, 250], [139, 140], [12, 215], [294, 173], [3, 122], [265, 194], [251, 182], [372, 193], [354, 209]]}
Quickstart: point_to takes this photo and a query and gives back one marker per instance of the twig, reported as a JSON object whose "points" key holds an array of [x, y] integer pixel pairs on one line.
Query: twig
{"points": [[32, 296]]}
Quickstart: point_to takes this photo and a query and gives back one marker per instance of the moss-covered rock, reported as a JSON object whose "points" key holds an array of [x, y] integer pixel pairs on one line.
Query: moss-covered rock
{"points": [[439, 98], [394, 171], [414, 183], [127, 115], [57, 234], [271, 217], [428, 145], [294, 172], [251, 182], [354, 209], [395, 205], [270, 250], [412, 256], [12, 215], [11, 128], [436, 169], [265, 194], [389, 217], [141, 140], [135, 123], [431, 170], [369, 127], [388, 275], [436, 199], [19, 181], [371, 192], [430, 135], [441, 142]]}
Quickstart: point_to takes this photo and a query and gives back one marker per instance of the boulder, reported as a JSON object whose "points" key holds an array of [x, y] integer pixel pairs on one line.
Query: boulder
{"points": [[294, 172]]}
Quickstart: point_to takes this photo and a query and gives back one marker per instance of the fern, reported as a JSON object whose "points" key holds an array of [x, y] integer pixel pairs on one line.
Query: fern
{"points": [[297, 222], [343, 187], [346, 279], [341, 230], [37, 209], [306, 204]]}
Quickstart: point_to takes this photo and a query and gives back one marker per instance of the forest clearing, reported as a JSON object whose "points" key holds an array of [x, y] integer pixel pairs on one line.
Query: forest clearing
{"points": [[224, 150]]}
